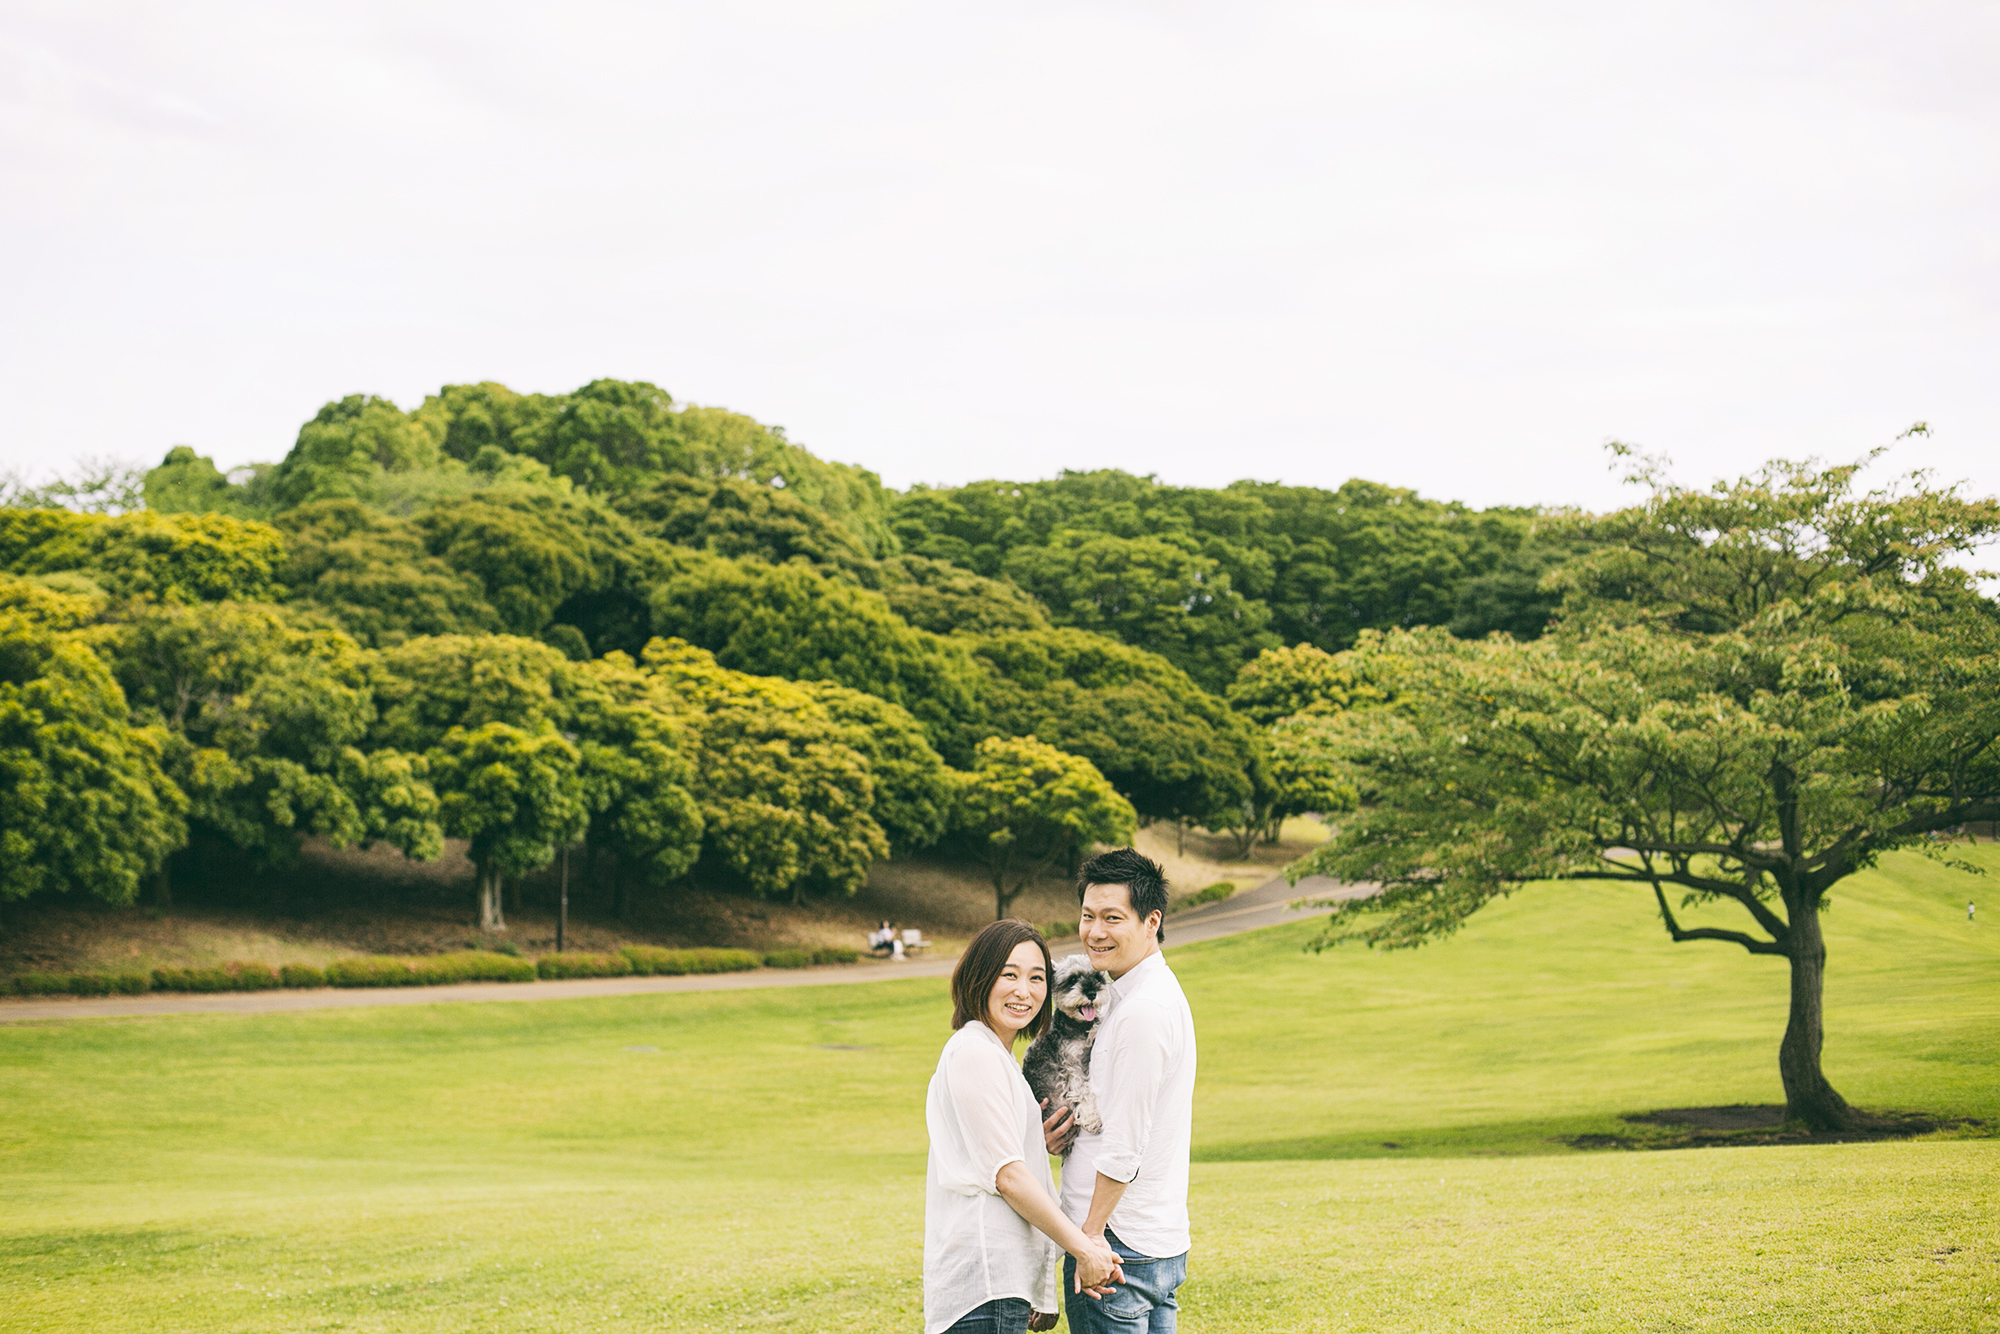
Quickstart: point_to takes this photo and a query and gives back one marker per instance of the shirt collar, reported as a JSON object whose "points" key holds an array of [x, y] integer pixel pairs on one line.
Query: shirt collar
{"points": [[1138, 973], [996, 1039]]}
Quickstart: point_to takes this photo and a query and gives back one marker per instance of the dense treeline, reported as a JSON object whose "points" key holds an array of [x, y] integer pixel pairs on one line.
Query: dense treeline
{"points": [[669, 635]]}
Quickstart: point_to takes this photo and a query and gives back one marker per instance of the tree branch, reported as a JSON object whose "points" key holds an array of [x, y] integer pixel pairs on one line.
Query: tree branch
{"points": [[1680, 933]]}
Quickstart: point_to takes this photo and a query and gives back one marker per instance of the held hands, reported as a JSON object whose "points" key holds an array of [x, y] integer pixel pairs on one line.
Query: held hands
{"points": [[1097, 1270], [1058, 1129]]}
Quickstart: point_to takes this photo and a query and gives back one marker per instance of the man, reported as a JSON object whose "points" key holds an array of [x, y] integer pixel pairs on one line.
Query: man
{"points": [[1128, 1182]]}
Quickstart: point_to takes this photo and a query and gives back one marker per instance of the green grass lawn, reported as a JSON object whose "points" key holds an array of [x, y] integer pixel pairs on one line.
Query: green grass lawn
{"points": [[754, 1160]]}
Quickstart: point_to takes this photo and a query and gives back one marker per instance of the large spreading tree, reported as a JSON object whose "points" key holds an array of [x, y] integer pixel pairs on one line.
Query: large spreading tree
{"points": [[1753, 692]]}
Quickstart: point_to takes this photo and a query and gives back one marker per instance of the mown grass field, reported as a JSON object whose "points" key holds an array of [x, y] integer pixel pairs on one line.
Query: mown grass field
{"points": [[753, 1160]]}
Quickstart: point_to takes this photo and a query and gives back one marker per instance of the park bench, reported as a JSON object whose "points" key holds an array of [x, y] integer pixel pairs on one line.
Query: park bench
{"points": [[914, 942]]}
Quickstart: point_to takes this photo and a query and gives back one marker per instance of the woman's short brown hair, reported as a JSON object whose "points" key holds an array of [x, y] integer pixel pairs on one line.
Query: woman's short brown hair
{"points": [[978, 972]]}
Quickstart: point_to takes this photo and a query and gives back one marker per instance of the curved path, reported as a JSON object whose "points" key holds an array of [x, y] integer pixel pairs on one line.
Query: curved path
{"points": [[1267, 905]]}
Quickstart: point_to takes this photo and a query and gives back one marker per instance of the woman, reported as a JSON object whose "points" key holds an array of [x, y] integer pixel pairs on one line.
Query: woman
{"points": [[991, 1225]]}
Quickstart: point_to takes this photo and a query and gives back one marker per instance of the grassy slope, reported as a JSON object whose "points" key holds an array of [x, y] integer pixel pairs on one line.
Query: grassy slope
{"points": [[519, 1166]]}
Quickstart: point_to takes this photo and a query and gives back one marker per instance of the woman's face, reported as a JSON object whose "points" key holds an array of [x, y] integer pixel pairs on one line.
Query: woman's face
{"points": [[1020, 993]]}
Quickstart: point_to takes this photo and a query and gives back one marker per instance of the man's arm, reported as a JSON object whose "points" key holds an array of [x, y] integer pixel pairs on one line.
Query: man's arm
{"points": [[1104, 1197]]}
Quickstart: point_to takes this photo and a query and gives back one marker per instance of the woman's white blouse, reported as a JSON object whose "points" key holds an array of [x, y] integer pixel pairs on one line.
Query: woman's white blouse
{"points": [[982, 1116]]}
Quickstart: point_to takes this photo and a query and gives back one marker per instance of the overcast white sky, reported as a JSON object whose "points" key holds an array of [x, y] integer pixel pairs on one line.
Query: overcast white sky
{"points": [[1455, 246]]}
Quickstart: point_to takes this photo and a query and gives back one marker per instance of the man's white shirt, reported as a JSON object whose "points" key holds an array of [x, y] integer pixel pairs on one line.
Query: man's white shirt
{"points": [[1142, 1071]]}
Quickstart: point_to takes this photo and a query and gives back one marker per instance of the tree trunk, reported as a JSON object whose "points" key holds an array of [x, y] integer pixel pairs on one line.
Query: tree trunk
{"points": [[1808, 1097], [491, 918]]}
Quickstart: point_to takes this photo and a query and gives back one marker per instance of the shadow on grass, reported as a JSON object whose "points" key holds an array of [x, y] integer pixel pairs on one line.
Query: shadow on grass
{"points": [[1673, 1128]]}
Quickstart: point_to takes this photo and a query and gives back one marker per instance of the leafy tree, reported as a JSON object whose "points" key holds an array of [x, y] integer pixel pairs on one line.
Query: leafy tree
{"points": [[1754, 691], [426, 687], [798, 623], [543, 560], [786, 802], [1157, 593], [1280, 682], [84, 803], [515, 795], [345, 448], [635, 758], [913, 792], [1026, 806], [265, 722], [370, 573], [942, 598], [168, 557], [190, 483], [1173, 750], [731, 517]]}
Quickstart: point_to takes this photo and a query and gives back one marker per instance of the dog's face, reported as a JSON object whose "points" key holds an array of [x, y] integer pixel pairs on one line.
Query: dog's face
{"points": [[1079, 989]]}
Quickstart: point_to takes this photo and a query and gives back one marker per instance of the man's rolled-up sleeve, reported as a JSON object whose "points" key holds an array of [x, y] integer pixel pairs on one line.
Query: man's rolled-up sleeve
{"points": [[1129, 1105]]}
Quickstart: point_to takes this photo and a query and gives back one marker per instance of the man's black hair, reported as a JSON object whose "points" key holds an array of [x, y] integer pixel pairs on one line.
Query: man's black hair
{"points": [[1145, 883]]}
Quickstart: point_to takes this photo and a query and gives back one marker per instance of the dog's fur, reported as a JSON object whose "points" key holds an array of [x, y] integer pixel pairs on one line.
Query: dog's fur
{"points": [[1057, 1065]]}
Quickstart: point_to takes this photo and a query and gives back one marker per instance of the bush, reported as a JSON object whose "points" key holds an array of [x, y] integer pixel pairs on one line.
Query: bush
{"points": [[788, 959], [301, 975], [80, 984], [374, 972], [1059, 930], [1221, 889], [835, 954], [648, 960], [471, 966], [213, 978], [255, 977], [131, 984], [583, 965]]}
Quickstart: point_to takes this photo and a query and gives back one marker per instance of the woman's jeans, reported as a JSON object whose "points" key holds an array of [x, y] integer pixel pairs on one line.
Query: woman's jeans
{"points": [[1142, 1304], [1002, 1315]]}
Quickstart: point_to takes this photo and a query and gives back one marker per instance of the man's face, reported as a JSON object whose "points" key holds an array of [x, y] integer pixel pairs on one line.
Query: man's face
{"points": [[1117, 938]]}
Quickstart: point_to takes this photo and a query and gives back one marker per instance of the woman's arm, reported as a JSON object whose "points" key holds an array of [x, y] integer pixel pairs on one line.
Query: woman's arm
{"points": [[1096, 1262]]}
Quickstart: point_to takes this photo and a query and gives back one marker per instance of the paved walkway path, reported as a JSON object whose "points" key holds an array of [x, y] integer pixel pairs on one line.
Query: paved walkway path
{"points": [[1267, 905]]}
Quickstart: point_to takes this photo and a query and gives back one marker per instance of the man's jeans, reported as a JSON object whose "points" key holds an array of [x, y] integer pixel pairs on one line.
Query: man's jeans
{"points": [[1142, 1304]]}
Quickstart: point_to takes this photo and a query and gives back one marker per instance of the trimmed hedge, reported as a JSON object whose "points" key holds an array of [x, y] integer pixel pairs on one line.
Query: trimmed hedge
{"points": [[583, 965], [433, 970], [1059, 930], [807, 958], [1221, 889], [650, 960], [302, 975], [82, 984]]}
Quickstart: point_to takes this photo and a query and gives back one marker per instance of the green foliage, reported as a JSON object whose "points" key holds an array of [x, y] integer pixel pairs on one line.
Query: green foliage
{"points": [[786, 803], [636, 769], [1171, 748], [190, 483], [583, 965], [435, 970], [167, 557], [940, 597], [514, 795], [347, 446], [80, 984], [266, 721], [650, 960], [1280, 682], [92, 486], [913, 791], [371, 573], [302, 975], [798, 623], [1026, 805], [788, 959], [426, 687], [1214, 893], [1208, 577], [84, 801], [731, 517], [218, 977]]}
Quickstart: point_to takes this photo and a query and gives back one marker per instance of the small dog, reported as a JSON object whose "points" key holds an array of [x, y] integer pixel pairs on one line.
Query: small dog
{"points": [[1057, 1065]]}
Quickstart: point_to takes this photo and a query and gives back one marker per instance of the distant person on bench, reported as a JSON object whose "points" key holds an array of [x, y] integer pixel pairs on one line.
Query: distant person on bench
{"points": [[879, 939]]}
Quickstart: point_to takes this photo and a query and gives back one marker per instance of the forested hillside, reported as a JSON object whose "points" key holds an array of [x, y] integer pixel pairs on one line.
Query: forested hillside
{"points": [[668, 635]]}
